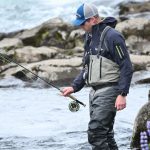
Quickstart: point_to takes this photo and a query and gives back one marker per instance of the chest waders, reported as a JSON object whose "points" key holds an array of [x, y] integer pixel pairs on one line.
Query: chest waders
{"points": [[102, 73], [102, 70]]}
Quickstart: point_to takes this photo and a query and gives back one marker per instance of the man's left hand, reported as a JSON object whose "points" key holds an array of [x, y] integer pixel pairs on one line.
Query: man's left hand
{"points": [[120, 102]]}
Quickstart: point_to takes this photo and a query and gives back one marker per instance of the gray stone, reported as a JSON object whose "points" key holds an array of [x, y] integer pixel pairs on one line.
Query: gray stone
{"points": [[31, 54], [52, 70], [136, 26], [10, 43], [140, 124], [134, 8], [139, 61]]}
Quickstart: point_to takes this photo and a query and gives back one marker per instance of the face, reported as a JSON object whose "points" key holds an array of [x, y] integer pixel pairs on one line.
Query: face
{"points": [[87, 25]]}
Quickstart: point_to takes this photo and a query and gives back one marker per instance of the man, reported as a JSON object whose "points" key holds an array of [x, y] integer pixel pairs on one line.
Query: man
{"points": [[114, 70]]}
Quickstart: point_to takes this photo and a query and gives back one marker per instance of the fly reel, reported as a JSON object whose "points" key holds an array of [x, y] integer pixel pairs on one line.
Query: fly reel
{"points": [[74, 106]]}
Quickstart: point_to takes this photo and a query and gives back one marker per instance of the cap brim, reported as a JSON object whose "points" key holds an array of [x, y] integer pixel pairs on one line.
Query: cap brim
{"points": [[78, 22]]}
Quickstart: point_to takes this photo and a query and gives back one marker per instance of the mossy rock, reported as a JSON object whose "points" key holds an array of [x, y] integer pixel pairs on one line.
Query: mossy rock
{"points": [[134, 7], [140, 125], [144, 32]]}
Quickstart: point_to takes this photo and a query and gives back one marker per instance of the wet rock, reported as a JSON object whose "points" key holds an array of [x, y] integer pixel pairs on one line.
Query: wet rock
{"points": [[140, 75], [136, 32], [10, 43], [54, 32], [143, 81], [140, 124], [134, 9], [137, 45], [51, 70], [29, 37], [2, 35], [138, 27], [139, 61]]}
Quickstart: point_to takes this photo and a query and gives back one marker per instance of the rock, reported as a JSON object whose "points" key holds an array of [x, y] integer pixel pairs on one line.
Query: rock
{"points": [[140, 124], [31, 54], [146, 48], [10, 43], [136, 32], [143, 81], [76, 33], [139, 61], [133, 9], [148, 67], [51, 23], [29, 37], [54, 32], [2, 35], [137, 45], [139, 76], [58, 75], [52, 70], [139, 27]]}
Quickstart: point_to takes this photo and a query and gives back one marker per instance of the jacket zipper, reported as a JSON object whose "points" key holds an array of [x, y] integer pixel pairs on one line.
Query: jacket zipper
{"points": [[100, 74]]}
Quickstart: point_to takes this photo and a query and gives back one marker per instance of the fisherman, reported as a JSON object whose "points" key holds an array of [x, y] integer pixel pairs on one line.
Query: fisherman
{"points": [[107, 69]]}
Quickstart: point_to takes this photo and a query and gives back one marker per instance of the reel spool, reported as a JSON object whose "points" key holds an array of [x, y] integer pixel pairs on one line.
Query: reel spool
{"points": [[74, 106]]}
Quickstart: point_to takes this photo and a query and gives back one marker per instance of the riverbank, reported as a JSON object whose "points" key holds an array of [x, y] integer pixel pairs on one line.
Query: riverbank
{"points": [[54, 49]]}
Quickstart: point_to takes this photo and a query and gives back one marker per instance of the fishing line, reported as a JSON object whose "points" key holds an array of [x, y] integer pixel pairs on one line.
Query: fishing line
{"points": [[5, 57], [25, 73]]}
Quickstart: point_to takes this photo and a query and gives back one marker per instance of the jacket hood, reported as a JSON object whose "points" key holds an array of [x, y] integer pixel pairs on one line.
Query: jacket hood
{"points": [[110, 21]]}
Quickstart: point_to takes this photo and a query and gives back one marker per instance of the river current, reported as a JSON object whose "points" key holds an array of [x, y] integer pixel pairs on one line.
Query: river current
{"points": [[39, 119]]}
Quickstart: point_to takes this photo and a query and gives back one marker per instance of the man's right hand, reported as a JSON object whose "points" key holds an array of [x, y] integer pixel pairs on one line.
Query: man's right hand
{"points": [[67, 91]]}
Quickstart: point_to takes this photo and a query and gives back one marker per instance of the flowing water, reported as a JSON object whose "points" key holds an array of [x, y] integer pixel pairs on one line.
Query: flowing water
{"points": [[24, 14], [39, 119]]}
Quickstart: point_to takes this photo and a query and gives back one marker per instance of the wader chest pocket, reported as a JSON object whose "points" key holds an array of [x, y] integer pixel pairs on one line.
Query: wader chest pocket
{"points": [[102, 70], [95, 69]]}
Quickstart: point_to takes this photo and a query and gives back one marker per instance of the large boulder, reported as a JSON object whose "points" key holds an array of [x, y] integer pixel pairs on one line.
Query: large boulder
{"points": [[138, 45], [140, 62], [52, 70], [136, 32], [139, 27], [10, 43], [134, 9], [54, 32], [140, 124], [29, 54]]}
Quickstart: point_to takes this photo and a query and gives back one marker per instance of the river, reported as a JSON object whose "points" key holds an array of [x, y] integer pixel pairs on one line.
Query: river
{"points": [[39, 119]]}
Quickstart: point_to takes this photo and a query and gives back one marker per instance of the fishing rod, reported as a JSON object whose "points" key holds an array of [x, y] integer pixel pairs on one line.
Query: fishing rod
{"points": [[73, 106]]}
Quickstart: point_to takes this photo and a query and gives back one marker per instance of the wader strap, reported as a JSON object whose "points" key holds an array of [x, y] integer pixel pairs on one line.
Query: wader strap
{"points": [[102, 39]]}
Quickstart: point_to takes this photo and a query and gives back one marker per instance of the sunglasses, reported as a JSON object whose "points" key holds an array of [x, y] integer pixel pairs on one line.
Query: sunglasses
{"points": [[84, 22]]}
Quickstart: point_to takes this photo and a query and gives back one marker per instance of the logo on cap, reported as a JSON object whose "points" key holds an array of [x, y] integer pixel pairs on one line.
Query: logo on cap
{"points": [[78, 16]]}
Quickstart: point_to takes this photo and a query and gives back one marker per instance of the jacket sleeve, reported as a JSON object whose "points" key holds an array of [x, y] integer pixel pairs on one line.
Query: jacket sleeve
{"points": [[78, 82], [120, 55]]}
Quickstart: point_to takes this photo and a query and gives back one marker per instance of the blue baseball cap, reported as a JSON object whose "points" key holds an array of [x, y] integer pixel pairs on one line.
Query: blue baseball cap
{"points": [[84, 12]]}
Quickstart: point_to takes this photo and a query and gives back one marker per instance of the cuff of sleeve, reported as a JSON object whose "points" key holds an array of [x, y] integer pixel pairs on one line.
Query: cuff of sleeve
{"points": [[123, 93], [75, 88]]}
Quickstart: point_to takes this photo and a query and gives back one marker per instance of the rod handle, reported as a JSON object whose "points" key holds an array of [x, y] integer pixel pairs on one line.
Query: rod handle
{"points": [[73, 98]]}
